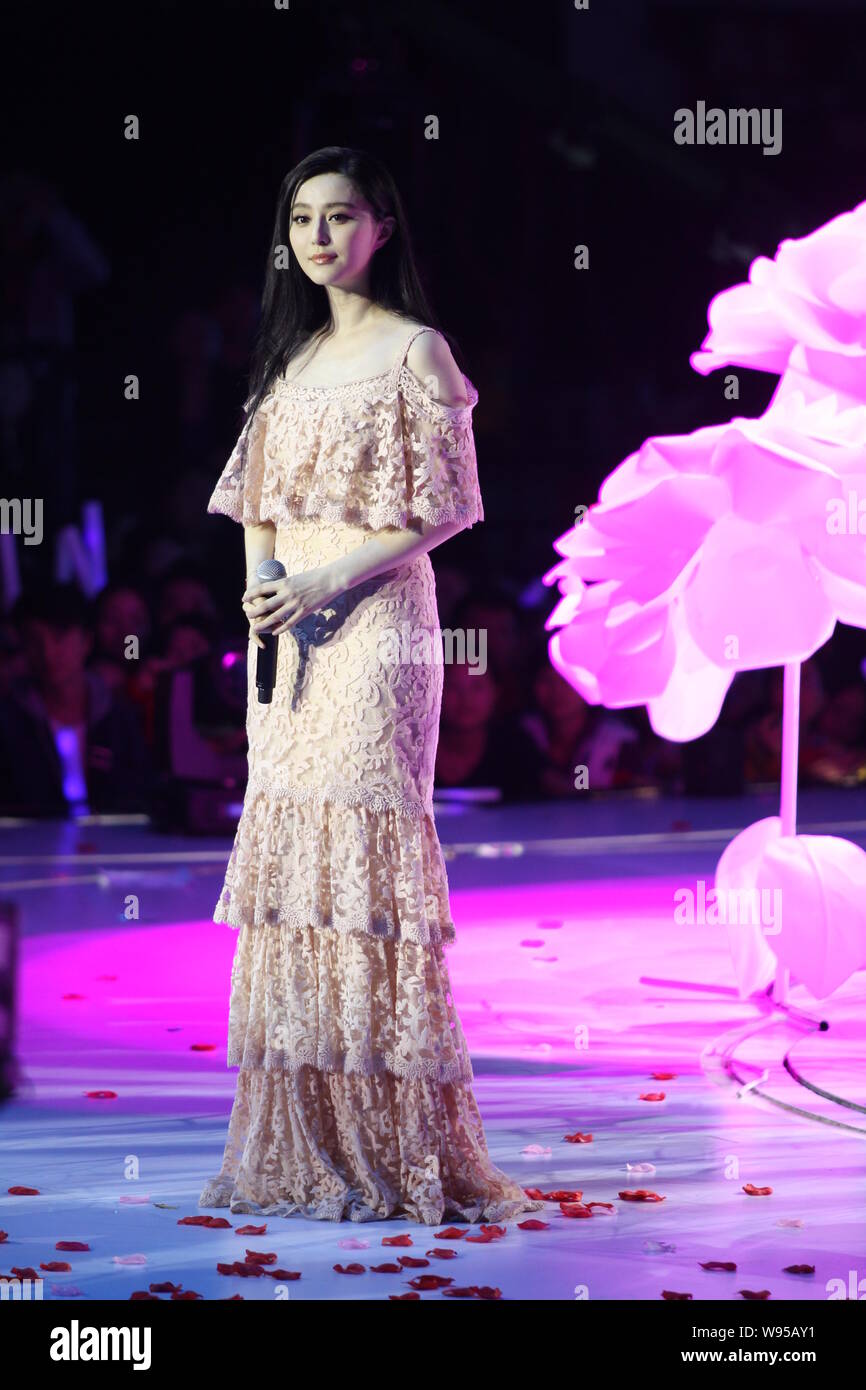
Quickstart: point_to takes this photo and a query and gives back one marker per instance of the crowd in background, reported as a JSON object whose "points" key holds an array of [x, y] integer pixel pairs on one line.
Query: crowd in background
{"points": [[87, 717], [82, 706]]}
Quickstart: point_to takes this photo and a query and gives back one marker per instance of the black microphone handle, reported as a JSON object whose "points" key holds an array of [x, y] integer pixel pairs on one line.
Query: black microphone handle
{"points": [[266, 667]]}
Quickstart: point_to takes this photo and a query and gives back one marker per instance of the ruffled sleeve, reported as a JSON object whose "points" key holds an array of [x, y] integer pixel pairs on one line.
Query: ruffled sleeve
{"points": [[439, 451], [238, 492]]}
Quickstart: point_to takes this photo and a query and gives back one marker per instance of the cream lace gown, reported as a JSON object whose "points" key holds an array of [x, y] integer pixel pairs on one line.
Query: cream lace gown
{"points": [[354, 1090]]}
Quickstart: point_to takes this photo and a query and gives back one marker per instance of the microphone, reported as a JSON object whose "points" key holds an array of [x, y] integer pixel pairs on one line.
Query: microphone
{"points": [[266, 656]]}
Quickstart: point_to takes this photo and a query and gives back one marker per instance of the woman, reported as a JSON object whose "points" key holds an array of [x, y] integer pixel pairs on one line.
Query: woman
{"points": [[354, 1092]]}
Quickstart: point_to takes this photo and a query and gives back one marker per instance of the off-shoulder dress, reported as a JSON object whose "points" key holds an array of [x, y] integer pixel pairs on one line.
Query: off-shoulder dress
{"points": [[354, 1091]]}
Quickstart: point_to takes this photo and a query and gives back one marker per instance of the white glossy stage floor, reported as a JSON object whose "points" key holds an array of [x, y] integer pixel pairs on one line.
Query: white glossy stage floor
{"points": [[573, 985]]}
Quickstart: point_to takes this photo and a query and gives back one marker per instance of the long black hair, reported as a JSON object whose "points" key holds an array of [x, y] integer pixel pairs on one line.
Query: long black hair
{"points": [[293, 308]]}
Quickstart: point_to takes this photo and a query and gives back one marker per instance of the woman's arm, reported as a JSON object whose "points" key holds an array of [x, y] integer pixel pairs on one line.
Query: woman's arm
{"points": [[259, 545], [387, 548]]}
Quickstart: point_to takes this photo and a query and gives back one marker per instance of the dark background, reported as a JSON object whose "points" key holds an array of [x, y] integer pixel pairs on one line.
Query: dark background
{"points": [[555, 129]]}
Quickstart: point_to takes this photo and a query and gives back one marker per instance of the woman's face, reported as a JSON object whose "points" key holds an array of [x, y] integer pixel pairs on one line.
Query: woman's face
{"points": [[330, 218]]}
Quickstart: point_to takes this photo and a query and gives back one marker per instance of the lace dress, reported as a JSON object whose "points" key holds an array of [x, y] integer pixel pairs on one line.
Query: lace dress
{"points": [[354, 1091]]}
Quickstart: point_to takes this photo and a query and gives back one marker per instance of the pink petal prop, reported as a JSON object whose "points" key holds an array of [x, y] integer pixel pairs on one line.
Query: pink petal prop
{"points": [[819, 882], [822, 883], [813, 292], [754, 962]]}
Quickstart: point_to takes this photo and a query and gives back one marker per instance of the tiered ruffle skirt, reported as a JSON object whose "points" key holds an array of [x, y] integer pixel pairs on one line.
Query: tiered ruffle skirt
{"points": [[354, 1093]]}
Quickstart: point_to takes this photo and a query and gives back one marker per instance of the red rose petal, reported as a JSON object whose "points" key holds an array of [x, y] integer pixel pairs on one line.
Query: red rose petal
{"points": [[470, 1292], [140, 1294], [409, 1262], [727, 1265], [283, 1273], [350, 1269], [400, 1296], [242, 1268], [429, 1281], [534, 1192], [608, 1206], [487, 1292], [215, 1223], [562, 1195], [202, 1047], [101, 1095], [186, 1295], [258, 1257], [250, 1230], [386, 1269], [24, 1192], [752, 1191], [754, 1293], [652, 1095], [533, 1225], [71, 1245], [443, 1253], [575, 1209], [640, 1194], [24, 1273], [494, 1230], [396, 1240], [56, 1266], [799, 1269], [663, 1075], [450, 1233], [578, 1138], [669, 1293], [167, 1287]]}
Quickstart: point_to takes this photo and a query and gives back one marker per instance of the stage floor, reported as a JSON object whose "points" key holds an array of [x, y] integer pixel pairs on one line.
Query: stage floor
{"points": [[574, 986]]}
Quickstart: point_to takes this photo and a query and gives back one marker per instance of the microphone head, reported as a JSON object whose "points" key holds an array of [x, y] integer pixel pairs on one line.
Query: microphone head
{"points": [[271, 569]]}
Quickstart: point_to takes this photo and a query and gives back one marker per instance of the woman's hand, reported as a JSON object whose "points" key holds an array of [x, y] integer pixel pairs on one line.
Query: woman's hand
{"points": [[275, 605]]}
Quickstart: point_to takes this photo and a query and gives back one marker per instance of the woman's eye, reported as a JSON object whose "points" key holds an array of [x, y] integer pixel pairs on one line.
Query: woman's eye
{"points": [[302, 216]]}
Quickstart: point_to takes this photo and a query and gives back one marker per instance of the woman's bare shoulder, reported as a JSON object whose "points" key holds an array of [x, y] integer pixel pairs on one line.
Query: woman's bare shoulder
{"points": [[432, 361]]}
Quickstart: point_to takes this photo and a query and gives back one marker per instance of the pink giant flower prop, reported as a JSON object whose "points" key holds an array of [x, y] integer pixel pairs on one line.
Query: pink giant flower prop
{"points": [[725, 550], [741, 546], [812, 294]]}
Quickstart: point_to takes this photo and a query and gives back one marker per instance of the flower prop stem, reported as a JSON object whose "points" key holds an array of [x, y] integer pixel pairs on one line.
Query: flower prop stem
{"points": [[788, 791]]}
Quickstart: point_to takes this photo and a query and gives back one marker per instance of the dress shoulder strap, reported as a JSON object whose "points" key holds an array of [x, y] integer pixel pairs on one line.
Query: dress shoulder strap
{"points": [[401, 355]]}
